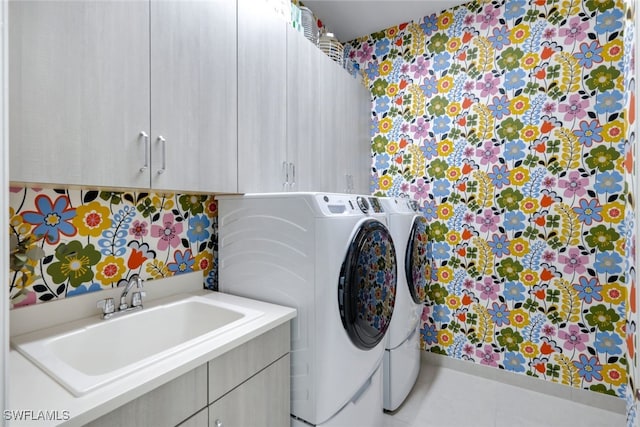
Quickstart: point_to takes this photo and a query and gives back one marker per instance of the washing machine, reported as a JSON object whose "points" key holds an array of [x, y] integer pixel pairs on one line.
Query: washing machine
{"points": [[401, 364], [331, 256]]}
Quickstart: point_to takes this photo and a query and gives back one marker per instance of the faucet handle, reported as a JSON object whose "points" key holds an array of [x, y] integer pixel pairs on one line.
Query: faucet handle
{"points": [[136, 298], [107, 305]]}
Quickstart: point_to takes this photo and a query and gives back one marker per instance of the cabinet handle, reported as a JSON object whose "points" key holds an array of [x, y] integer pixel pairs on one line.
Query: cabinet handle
{"points": [[218, 423], [285, 176], [164, 154], [293, 174], [145, 140]]}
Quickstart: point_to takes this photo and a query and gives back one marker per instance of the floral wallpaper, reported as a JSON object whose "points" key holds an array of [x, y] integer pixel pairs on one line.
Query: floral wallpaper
{"points": [[77, 241], [508, 121]]}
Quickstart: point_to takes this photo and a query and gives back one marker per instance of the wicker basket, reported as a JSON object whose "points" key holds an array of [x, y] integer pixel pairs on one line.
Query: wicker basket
{"points": [[309, 24], [332, 47]]}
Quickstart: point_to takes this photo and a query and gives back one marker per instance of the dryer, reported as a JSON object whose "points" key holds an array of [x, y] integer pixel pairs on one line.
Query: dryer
{"points": [[402, 345], [331, 256]]}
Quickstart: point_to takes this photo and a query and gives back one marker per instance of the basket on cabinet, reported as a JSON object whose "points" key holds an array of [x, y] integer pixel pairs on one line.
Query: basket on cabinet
{"points": [[332, 47]]}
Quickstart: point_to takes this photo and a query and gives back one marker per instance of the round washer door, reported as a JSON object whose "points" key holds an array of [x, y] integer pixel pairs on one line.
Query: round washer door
{"points": [[367, 286], [417, 261]]}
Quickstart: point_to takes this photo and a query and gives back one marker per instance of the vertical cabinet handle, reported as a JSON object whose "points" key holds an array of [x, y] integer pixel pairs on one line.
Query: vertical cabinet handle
{"points": [[145, 140], [162, 140], [285, 176], [292, 166]]}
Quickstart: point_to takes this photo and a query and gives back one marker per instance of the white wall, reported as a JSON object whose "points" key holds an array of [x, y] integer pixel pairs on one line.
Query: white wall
{"points": [[4, 212]]}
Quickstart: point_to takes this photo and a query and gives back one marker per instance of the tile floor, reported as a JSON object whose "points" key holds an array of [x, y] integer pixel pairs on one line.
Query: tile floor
{"points": [[443, 397]]}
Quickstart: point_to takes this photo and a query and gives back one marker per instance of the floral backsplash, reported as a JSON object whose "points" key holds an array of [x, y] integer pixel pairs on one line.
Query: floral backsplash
{"points": [[508, 121], [86, 241]]}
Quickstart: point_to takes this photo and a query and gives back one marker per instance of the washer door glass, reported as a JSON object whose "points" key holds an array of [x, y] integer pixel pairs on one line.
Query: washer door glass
{"points": [[367, 287], [417, 261]]}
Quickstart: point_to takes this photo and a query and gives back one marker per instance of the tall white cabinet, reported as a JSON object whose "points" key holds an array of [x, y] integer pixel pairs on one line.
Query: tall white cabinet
{"points": [[124, 94]]}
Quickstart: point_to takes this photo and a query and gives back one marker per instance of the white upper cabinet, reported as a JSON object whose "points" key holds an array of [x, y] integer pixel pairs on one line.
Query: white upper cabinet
{"points": [[124, 94], [78, 92]]}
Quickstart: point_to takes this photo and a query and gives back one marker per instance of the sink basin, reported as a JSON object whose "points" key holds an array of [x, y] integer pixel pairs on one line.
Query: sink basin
{"points": [[90, 353]]}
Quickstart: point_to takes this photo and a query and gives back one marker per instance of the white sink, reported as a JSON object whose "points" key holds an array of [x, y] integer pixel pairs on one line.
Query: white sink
{"points": [[90, 353]]}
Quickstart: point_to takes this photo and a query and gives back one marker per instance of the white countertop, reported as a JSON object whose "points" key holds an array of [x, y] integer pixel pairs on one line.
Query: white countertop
{"points": [[31, 390]]}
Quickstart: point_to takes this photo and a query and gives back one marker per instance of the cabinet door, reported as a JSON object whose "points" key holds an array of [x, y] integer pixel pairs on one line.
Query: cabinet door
{"points": [[78, 92], [358, 137], [261, 401], [193, 95], [262, 100]]}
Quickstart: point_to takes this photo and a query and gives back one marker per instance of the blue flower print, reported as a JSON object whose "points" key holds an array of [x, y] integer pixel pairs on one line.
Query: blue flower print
{"points": [[609, 21], [588, 368], [500, 314], [441, 313], [441, 188], [183, 262], [430, 24], [588, 289], [514, 362], [429, 334], [499, 107], [608, 102], [608, 342], [514, 79], [441, 250], [499, 176], [514, 221], [430, 86], [588, 211], [83, 289], [382, 47], [382, 161], [499, 245], [608, 262], [429, 210], [429, 149], [608, 182], [514, 150], [500, 37], [589, 133], [589, 53], [372, 71], [198, 228], [441, 61], [514, 9], [441, 124], [514, 291], [51, 218], [382, 104]]}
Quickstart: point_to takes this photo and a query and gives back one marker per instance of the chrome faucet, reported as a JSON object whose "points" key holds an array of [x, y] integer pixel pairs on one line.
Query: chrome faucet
{"points": [[108, 307]]}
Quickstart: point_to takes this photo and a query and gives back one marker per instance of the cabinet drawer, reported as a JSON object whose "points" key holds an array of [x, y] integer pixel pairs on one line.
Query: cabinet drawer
{"points": [[201, 419], [262, 401], [167, 405], [235, 366]]}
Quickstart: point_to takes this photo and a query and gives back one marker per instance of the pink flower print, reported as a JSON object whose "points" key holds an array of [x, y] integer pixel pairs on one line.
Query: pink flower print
{"points": [[574, 262], [575, 108], [488, 221], [487, 356], [574, 31], [420, 129], [364, 54], [488, 18], [574, 186], [574, 339], [489, 289], [138, 229], [168, 233], [488, 153], [489, 86], [548, 330], [420, 67], [420, 190]]}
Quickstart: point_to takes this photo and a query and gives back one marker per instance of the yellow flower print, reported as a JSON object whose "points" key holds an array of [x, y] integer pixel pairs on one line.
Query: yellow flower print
{"points": [[18, 224], [613, 50], [529, 205], [613, 212], [519, 247], [519, 104], [92, 219], [614, 293], [392, 147], [157, 269], [445, 147], [445, 20], [453, 109], [392, 32], [529, 277], [445, 84], [529, 349], [445, 274], [445, 338], [110, 270], [211, 206], [392, 90], [621, 245], [613, 131], [203, 261], [621, 325], [453, 173], [163, 201], [519, 176], [454, 44], [445, 211], [614, 374], [385, 125], [385, 182], [519, 318], [530, 61], [385, 68], [519, 33], [453, 301], [529, 133], [453, 237]]}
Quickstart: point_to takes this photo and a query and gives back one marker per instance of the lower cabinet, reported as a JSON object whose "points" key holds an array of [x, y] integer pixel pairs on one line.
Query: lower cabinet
{"points": [[247, 386]]}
